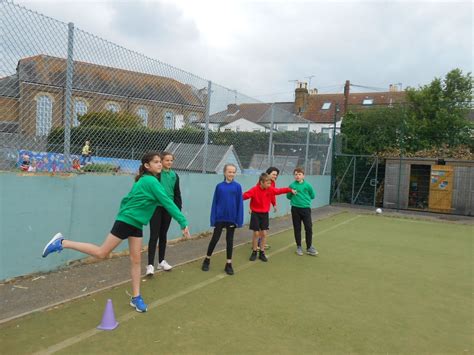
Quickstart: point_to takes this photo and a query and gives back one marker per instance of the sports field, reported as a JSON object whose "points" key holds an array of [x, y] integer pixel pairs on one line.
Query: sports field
{"points": [[380, 285]]}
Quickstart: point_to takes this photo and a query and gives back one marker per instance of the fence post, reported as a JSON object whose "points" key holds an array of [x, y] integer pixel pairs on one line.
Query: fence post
{"points": [[376, 178], [270, 140], [68, 96], [333, 151], [353, 180], [400, 163], [206, 132], [307, 148]]}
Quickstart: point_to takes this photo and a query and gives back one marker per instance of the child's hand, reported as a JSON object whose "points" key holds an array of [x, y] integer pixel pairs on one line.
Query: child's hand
{"points": [[275, 209], [294, 192], [250, 211], [186, 234]]}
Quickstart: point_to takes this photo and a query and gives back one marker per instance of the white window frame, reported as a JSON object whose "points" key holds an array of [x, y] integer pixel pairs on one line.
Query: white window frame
{"points": [[44, 113], [112, 106], [168, 120], [367, 102], [79, 111], [326, 106], [142, 112], [193, 117]]}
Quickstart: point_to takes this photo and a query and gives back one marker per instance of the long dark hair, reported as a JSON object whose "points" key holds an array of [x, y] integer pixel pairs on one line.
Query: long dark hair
{"points": [[272, 169], [146, 159]]}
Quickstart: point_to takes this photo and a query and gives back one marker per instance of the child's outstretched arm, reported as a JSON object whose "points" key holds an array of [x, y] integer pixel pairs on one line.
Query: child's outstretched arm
{"points": [[281, 191], [248, 194]]}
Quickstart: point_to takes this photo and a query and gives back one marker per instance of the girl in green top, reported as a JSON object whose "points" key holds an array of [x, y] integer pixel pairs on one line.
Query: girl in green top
{"points": [[135, 211], [161, 219]]}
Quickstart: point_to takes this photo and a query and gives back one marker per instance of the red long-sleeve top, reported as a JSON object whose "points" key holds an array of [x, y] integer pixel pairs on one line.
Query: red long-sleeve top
{"points": [[261, 199]]}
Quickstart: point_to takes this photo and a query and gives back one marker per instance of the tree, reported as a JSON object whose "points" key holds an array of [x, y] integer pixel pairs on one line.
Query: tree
{"points": [[437, 112], [372, 131], [434, 115]]}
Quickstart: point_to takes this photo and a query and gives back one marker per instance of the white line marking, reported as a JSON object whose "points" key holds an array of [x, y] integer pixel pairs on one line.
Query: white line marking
{"points": [[88, 333]]}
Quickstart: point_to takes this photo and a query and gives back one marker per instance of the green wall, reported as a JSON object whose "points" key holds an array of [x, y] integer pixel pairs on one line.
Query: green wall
{"points": [[83, 207]]}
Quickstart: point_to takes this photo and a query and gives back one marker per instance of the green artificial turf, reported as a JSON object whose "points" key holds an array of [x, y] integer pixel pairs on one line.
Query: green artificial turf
{"points": [[379, 285]]}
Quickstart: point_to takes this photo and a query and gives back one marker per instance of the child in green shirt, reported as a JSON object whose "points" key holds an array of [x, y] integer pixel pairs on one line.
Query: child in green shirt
{"points": [[301, 211], [135, 211]]}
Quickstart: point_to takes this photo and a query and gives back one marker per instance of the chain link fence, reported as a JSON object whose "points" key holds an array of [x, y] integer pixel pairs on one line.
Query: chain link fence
{"points": [[71, 101]]}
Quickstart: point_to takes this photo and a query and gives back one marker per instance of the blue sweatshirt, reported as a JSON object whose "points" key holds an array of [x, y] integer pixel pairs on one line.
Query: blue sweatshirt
{"points": [[227, 204]]}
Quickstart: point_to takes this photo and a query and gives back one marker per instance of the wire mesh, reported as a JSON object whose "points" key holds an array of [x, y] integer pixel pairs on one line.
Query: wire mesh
{"points": [[71, 101]]}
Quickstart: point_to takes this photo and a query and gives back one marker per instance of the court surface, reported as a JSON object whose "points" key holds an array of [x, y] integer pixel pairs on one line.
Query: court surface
{"points": [[380, 284]]}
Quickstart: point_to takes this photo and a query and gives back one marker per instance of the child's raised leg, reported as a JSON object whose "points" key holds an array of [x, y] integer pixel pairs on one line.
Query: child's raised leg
{"points": [[100, 252]]}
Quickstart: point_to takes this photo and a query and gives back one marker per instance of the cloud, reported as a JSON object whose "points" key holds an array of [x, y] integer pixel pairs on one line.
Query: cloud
{"points": [[258, 46]]}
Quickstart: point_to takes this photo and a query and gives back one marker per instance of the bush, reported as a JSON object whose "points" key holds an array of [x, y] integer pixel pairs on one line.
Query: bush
{"points": [[100, 168]]}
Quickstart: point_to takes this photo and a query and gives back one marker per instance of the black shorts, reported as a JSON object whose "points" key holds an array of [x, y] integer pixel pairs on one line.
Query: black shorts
{"points": [[124, 230], [259, 221]]}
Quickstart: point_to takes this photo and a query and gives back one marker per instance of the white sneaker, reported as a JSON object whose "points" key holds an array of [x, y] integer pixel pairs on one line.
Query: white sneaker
{"points": [[150, 270], [165, 266]]}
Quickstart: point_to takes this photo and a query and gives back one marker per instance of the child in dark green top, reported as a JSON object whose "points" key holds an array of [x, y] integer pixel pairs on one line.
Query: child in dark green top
{"points": [[135, 211], [301, 211], [161, 219]]}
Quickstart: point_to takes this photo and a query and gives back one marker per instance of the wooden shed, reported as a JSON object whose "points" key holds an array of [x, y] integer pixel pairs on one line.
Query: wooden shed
{"points": [[427, 184]]}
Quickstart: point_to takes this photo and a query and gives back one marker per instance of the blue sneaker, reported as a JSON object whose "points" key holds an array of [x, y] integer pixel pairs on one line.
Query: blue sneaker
{"points": [[53, 245], [138, 303]]}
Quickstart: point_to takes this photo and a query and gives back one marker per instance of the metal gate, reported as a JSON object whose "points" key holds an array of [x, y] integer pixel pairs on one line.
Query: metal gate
{"points": [[356, 179]]}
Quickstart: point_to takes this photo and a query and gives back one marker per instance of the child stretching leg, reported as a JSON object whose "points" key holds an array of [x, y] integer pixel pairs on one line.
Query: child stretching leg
{"points": [[135, 211]]}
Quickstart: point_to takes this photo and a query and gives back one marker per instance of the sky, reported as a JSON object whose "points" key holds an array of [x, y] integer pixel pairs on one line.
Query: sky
{"points": [[261, 47]]}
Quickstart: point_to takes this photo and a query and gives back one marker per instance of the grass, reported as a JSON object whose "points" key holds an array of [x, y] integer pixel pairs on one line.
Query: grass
{"points": [[379, 285]]}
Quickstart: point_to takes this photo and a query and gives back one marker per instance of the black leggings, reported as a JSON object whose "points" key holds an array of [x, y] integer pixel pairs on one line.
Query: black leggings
{"points": [[299, 215], [159, 225], [229, 236]]}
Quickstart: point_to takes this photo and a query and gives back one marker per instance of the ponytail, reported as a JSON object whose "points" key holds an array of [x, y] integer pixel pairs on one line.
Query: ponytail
{"points": [[147, 158]]}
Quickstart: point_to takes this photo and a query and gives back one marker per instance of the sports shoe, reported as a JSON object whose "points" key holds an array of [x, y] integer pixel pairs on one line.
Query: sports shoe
{"points": [[205, 264], [150, 270], [55, 244], [253, 256], [164, 266], [262, 256], [228, 269], [299, 251], [312, 251], [138, 303]]}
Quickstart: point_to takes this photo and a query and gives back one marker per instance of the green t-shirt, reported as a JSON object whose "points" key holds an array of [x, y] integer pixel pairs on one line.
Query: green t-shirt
{"points": [[138, 206], [168, 181], [304, 194]]}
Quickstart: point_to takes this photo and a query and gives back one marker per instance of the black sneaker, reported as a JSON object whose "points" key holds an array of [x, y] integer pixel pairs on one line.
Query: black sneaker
{"points": [[228, 269], [253, 256], [205, 264], [262, 256]]}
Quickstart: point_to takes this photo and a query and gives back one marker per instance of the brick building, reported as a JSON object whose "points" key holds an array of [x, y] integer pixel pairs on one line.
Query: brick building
{"points": [[32, 101]]}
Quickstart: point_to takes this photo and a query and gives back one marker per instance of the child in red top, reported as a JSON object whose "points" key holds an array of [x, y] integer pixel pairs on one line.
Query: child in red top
{"points": [[260, 200]]}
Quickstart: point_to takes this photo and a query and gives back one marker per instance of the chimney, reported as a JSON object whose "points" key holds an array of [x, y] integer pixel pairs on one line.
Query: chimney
{"points": [[232, 108], [347, 86], [301, 97]]}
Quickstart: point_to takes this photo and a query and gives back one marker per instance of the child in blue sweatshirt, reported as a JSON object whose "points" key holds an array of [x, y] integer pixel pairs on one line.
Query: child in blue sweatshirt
{"points": [[226, 212]]}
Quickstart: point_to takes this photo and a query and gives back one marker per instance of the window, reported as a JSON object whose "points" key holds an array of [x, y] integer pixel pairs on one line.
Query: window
{"points": [[368, 102], [142, 112], [112, 107], [326, 106], [80, 108], [169, 121], [192, 118], [302, 129], [44, 115]]}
